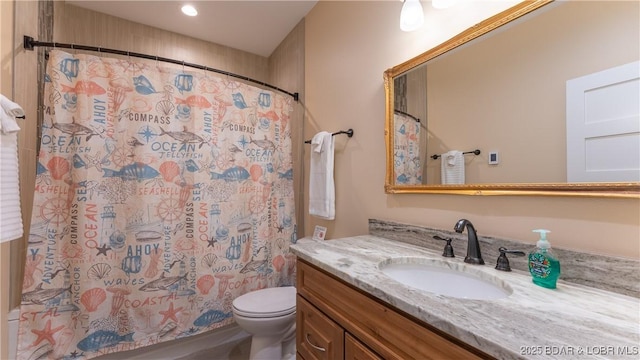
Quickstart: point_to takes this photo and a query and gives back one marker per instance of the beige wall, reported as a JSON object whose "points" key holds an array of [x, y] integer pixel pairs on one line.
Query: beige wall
{"points": [[348, 47], [6, 84], [81, 26], [518, 79], [26, 94], [286, 71], [417, 106], [15, 60]]}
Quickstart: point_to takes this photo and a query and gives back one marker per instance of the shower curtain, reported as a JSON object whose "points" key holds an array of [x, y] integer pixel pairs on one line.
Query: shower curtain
{"points": [[406, 152], [161, 195]]}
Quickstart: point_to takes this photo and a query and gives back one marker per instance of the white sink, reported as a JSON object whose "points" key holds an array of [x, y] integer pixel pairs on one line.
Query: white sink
{"points": [[445, 278]]}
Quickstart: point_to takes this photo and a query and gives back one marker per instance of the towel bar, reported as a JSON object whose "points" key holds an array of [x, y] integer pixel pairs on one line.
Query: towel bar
{"points": [[475, 152], [348, 132]]}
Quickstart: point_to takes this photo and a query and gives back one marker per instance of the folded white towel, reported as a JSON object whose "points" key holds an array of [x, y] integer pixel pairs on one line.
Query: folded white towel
{"points": [[10, 214], [322, 197], [10, 107], [452, 167]]}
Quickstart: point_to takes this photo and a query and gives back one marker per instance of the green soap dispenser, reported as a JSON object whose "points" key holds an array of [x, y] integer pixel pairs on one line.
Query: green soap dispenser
{"points": [[544, 266]]}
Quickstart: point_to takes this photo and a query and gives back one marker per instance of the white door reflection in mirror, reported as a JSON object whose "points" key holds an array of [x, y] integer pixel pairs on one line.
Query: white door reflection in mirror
{"points": [[603, 125]]}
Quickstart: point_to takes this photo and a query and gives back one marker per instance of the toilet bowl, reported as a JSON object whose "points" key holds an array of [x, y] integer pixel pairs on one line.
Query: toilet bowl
{"points": [[269, 315]]}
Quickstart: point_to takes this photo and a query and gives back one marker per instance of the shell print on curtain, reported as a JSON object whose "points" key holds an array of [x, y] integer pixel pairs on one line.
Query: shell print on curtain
{"points": [[161, 195]]}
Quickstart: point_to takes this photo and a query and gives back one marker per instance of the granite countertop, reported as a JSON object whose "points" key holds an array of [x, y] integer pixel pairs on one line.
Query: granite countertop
{"points": [[572, 321]]}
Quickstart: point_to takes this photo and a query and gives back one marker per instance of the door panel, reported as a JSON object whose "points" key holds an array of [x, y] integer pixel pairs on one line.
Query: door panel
{"points": [[603, 126]]}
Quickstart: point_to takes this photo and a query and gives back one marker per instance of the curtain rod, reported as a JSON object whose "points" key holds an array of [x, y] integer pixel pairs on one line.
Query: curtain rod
{"points": [[29, 43], [407, 114]]}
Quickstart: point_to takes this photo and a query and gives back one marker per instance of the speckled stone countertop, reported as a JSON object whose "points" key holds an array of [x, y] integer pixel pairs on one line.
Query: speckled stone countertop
{"points": [[570, 322]]}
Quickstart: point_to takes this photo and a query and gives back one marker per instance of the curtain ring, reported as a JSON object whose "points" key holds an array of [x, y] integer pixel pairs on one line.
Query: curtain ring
{"points": [[157, 63], [183, 66]]}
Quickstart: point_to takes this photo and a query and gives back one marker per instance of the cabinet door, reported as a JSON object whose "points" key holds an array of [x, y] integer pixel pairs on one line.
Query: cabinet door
{"points": [[317, 336], [355, 350]]}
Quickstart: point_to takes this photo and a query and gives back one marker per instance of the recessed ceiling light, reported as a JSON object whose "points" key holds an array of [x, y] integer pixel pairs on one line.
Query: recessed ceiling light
{"points": [[189, 10]]}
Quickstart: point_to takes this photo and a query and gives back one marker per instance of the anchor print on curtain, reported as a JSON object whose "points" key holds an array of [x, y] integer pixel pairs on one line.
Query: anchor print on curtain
{"points": [[407, 161], [161, 195]]}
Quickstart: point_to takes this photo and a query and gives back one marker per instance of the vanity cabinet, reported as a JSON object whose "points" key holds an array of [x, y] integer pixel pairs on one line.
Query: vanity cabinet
{"points": [[320, 338], [337, 321], [317, 336], [355, 350]]}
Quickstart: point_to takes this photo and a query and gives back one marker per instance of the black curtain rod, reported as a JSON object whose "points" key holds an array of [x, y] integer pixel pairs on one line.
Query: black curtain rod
{"points": [[29, 43], [407, 114], [348, 132]]}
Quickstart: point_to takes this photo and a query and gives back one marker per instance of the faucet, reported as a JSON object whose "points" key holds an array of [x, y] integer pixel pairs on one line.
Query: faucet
{"points": [[473, 247]]}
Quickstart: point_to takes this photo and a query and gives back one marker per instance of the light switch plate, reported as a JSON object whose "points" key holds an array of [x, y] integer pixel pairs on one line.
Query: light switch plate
{"points": [[493, 158]]}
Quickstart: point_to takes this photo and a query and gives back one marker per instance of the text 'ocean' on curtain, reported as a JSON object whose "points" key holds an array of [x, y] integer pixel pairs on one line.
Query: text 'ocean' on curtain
{"points": [[161, 195]]}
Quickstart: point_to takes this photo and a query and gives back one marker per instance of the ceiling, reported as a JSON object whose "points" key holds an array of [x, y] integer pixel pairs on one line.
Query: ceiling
{"points": [[254, 26]]}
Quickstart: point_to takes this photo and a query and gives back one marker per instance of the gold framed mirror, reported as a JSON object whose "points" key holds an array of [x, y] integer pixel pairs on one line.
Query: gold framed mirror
{"points": [[523, 149]]}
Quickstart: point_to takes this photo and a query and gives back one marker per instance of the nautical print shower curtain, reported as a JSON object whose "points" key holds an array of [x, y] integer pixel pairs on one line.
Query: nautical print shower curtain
{"points": [[161, 196], [407, 162]]}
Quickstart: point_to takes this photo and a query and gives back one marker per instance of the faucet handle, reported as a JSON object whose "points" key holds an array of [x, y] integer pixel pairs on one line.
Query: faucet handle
{"points": [[503, 263], [448, 249]]}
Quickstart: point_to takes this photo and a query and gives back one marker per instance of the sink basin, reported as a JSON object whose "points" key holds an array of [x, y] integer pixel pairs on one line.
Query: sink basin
{"points": [[445, 278]]}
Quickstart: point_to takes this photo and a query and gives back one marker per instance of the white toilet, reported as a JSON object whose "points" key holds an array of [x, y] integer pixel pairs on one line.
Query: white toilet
{"points": [[269, 315]]}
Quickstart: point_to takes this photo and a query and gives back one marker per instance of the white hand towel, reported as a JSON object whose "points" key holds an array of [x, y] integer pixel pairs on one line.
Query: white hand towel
{"points": [[452, 167], [322, 197], [10, 107], [10, 213]]}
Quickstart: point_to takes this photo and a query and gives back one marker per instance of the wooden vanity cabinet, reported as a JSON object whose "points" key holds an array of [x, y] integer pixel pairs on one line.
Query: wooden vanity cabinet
{"points": [[337, 321], [320, 338], [355, 350], [317, 336]]}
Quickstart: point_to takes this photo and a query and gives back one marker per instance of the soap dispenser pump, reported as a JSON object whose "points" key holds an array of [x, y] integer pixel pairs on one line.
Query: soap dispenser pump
{"points": [[544, 266]]}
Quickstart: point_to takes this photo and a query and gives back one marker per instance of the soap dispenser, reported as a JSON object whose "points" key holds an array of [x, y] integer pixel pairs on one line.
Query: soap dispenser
{"points": [[544, 266]]}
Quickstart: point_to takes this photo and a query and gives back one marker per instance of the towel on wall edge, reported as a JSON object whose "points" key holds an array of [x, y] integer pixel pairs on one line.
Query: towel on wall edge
{"points": [[452, 167], [322, 195], [10, 213]]}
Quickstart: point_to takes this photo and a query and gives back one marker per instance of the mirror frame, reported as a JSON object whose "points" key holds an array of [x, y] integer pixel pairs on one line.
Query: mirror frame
{"points": [[607, 189]]}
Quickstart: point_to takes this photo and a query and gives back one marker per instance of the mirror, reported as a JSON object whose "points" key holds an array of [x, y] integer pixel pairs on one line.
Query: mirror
{"points": [[500, 87]]}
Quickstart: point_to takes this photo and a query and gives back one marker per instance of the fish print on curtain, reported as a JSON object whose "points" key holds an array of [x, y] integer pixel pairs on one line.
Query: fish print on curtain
{"points": [[161, 195], [407, 161]]}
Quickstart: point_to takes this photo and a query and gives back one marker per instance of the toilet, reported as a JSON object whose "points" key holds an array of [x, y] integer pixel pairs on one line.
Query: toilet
{"points": [[269, 315]]}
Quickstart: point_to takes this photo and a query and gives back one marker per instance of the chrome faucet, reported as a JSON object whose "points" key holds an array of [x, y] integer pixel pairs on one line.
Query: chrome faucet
{"points": [[473, 247]]}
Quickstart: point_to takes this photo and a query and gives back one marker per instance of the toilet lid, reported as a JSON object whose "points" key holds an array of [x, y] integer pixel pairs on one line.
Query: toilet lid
{"points": [[271, 302]]}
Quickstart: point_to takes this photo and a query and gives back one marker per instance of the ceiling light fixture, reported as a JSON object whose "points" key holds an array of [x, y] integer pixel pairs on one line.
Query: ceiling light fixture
{"points": [[411, 15], [189, 10]]}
